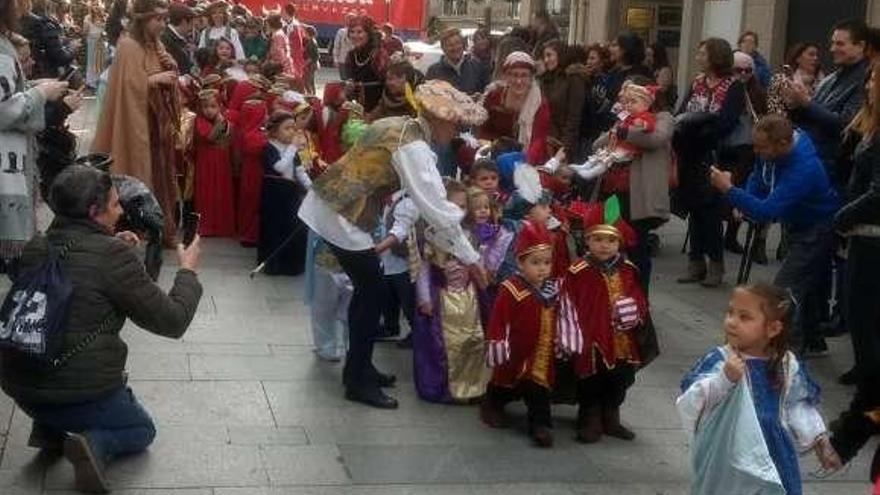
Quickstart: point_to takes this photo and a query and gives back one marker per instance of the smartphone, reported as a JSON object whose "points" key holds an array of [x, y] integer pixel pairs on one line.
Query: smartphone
{"points": [[190, 227], [73, 77]]}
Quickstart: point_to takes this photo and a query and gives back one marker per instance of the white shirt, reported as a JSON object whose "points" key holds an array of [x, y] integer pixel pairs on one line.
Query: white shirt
{"points": [[286, 165], [416, 167], [404, 216], [215, 33]]}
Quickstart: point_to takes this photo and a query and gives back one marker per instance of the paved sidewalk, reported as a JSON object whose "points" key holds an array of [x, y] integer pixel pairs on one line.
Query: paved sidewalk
{"points": [[244, 408]]}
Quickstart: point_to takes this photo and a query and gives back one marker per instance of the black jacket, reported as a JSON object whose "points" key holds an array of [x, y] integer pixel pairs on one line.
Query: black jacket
{"points": [[49, 48], [863, 198], [108, 279], [178, 48]]}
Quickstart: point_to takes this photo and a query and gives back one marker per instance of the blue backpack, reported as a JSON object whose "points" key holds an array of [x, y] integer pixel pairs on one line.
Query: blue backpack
{"points": [[34, 313]]}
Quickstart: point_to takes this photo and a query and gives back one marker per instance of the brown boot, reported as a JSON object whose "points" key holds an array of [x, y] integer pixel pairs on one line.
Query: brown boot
{"points": [[589, 429], [696, 272], [542, 436], [715, 275], [611, 424], [492, 415]]}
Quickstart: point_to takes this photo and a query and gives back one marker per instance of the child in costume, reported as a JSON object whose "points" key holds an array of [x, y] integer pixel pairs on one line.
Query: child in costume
{"points": [[750, 405], [484, 174], [285, 182], [398, 222], [493, 242], [448, 344], [521, 338], [331, 120], [253, 141], [214, 198], [602, 307], [613, 151]]}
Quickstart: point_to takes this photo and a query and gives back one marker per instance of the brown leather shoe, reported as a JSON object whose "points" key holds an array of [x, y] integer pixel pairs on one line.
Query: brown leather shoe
{"points": [[493, 416], [87, 468], [542, 436], [589, 429], [611, 424]]}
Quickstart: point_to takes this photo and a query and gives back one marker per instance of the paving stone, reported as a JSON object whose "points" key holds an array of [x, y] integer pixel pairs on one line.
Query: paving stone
{"points": [[399, 489], [304, 465], [274, 368], [170, 463], [147, 491], [205, 403], [7, 405], [259, 435], [158, 366], [21, 481]]}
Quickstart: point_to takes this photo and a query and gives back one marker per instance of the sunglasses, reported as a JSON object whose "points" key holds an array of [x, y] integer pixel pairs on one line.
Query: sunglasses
{"points": [[744, 70]]}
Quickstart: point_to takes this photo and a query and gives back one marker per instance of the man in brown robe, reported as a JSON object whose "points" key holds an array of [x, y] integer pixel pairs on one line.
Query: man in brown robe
{"points": [[140, 116]]}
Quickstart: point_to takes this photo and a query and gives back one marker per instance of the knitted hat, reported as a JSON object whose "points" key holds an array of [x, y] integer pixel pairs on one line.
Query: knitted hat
{"points": [[531, 238], [519, 60], [442, 100]]}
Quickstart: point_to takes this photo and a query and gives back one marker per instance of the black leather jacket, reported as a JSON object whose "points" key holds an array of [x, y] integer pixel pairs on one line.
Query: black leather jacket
{"points": [[863, 198]]}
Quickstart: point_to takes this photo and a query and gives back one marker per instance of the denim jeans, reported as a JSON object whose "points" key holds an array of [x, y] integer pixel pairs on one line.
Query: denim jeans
{"points": [[114, 426], [805, 269]]}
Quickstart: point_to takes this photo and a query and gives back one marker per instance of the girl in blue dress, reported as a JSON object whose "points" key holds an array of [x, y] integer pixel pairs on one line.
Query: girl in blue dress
{"points": [[750, 405]]}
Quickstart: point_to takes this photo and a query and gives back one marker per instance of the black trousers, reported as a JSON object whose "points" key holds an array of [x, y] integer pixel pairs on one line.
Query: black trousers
{"points": [[399, 294], [705, 231], [862, 306], [365, 272], [607, 388], [536, 397]]}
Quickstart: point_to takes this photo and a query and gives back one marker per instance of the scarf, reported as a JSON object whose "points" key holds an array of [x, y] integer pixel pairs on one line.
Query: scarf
{"points": [[546, 292], [706, 99]]}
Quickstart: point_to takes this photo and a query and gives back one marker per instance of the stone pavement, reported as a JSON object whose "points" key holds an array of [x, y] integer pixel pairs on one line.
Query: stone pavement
{"points": [[243, 407]]}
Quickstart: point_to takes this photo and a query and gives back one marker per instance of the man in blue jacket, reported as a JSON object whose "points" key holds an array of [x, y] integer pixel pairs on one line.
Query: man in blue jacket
{"points": [[789, 184]]}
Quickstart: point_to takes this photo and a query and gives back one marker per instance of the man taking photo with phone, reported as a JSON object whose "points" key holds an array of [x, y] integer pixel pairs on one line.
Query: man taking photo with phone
{"points": [[789, 184]]}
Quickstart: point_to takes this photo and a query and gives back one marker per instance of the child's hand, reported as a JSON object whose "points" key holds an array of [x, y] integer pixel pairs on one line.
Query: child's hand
{"points": [[734, 368], [560, 155], [426, 309]]}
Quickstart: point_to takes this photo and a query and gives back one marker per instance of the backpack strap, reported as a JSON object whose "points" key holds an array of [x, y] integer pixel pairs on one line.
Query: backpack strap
{"points": [[89, 339], [85, 342]]}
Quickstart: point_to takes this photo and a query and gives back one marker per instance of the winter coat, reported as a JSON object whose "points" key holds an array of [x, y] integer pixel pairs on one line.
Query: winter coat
{"points": [[762, 69], [706, 117], [178, 48], [863, 198], [22, 114], [471, 78], [649, 171], [108, 280], [565, 91], [836, 100], [792, 189]]}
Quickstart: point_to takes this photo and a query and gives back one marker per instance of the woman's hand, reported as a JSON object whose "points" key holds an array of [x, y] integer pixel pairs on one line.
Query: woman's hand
{"points": [[166, 78], [188, 257], [53, 90], [828, 457], [167, 61], [129, 238]]}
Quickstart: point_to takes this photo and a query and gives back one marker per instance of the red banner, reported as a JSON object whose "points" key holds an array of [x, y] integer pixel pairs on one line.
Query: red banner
{"points": [[403, 14]]}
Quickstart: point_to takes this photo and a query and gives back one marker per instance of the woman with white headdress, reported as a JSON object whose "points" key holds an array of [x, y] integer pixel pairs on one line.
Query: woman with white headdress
{"points": [[517, 109]]}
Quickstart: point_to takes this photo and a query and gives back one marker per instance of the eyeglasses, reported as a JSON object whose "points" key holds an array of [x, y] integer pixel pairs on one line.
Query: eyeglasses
{"points": [[744, 70]]}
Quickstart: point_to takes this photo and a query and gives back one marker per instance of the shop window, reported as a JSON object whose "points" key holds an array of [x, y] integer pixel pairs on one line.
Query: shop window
{"points": [[455, 7]]}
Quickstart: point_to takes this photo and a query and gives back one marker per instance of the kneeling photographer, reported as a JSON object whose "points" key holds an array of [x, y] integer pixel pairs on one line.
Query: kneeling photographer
{"points": [[78, 397]]}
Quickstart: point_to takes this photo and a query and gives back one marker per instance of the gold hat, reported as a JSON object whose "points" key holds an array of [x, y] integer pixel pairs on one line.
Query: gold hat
{"points": [[442, 100]]}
